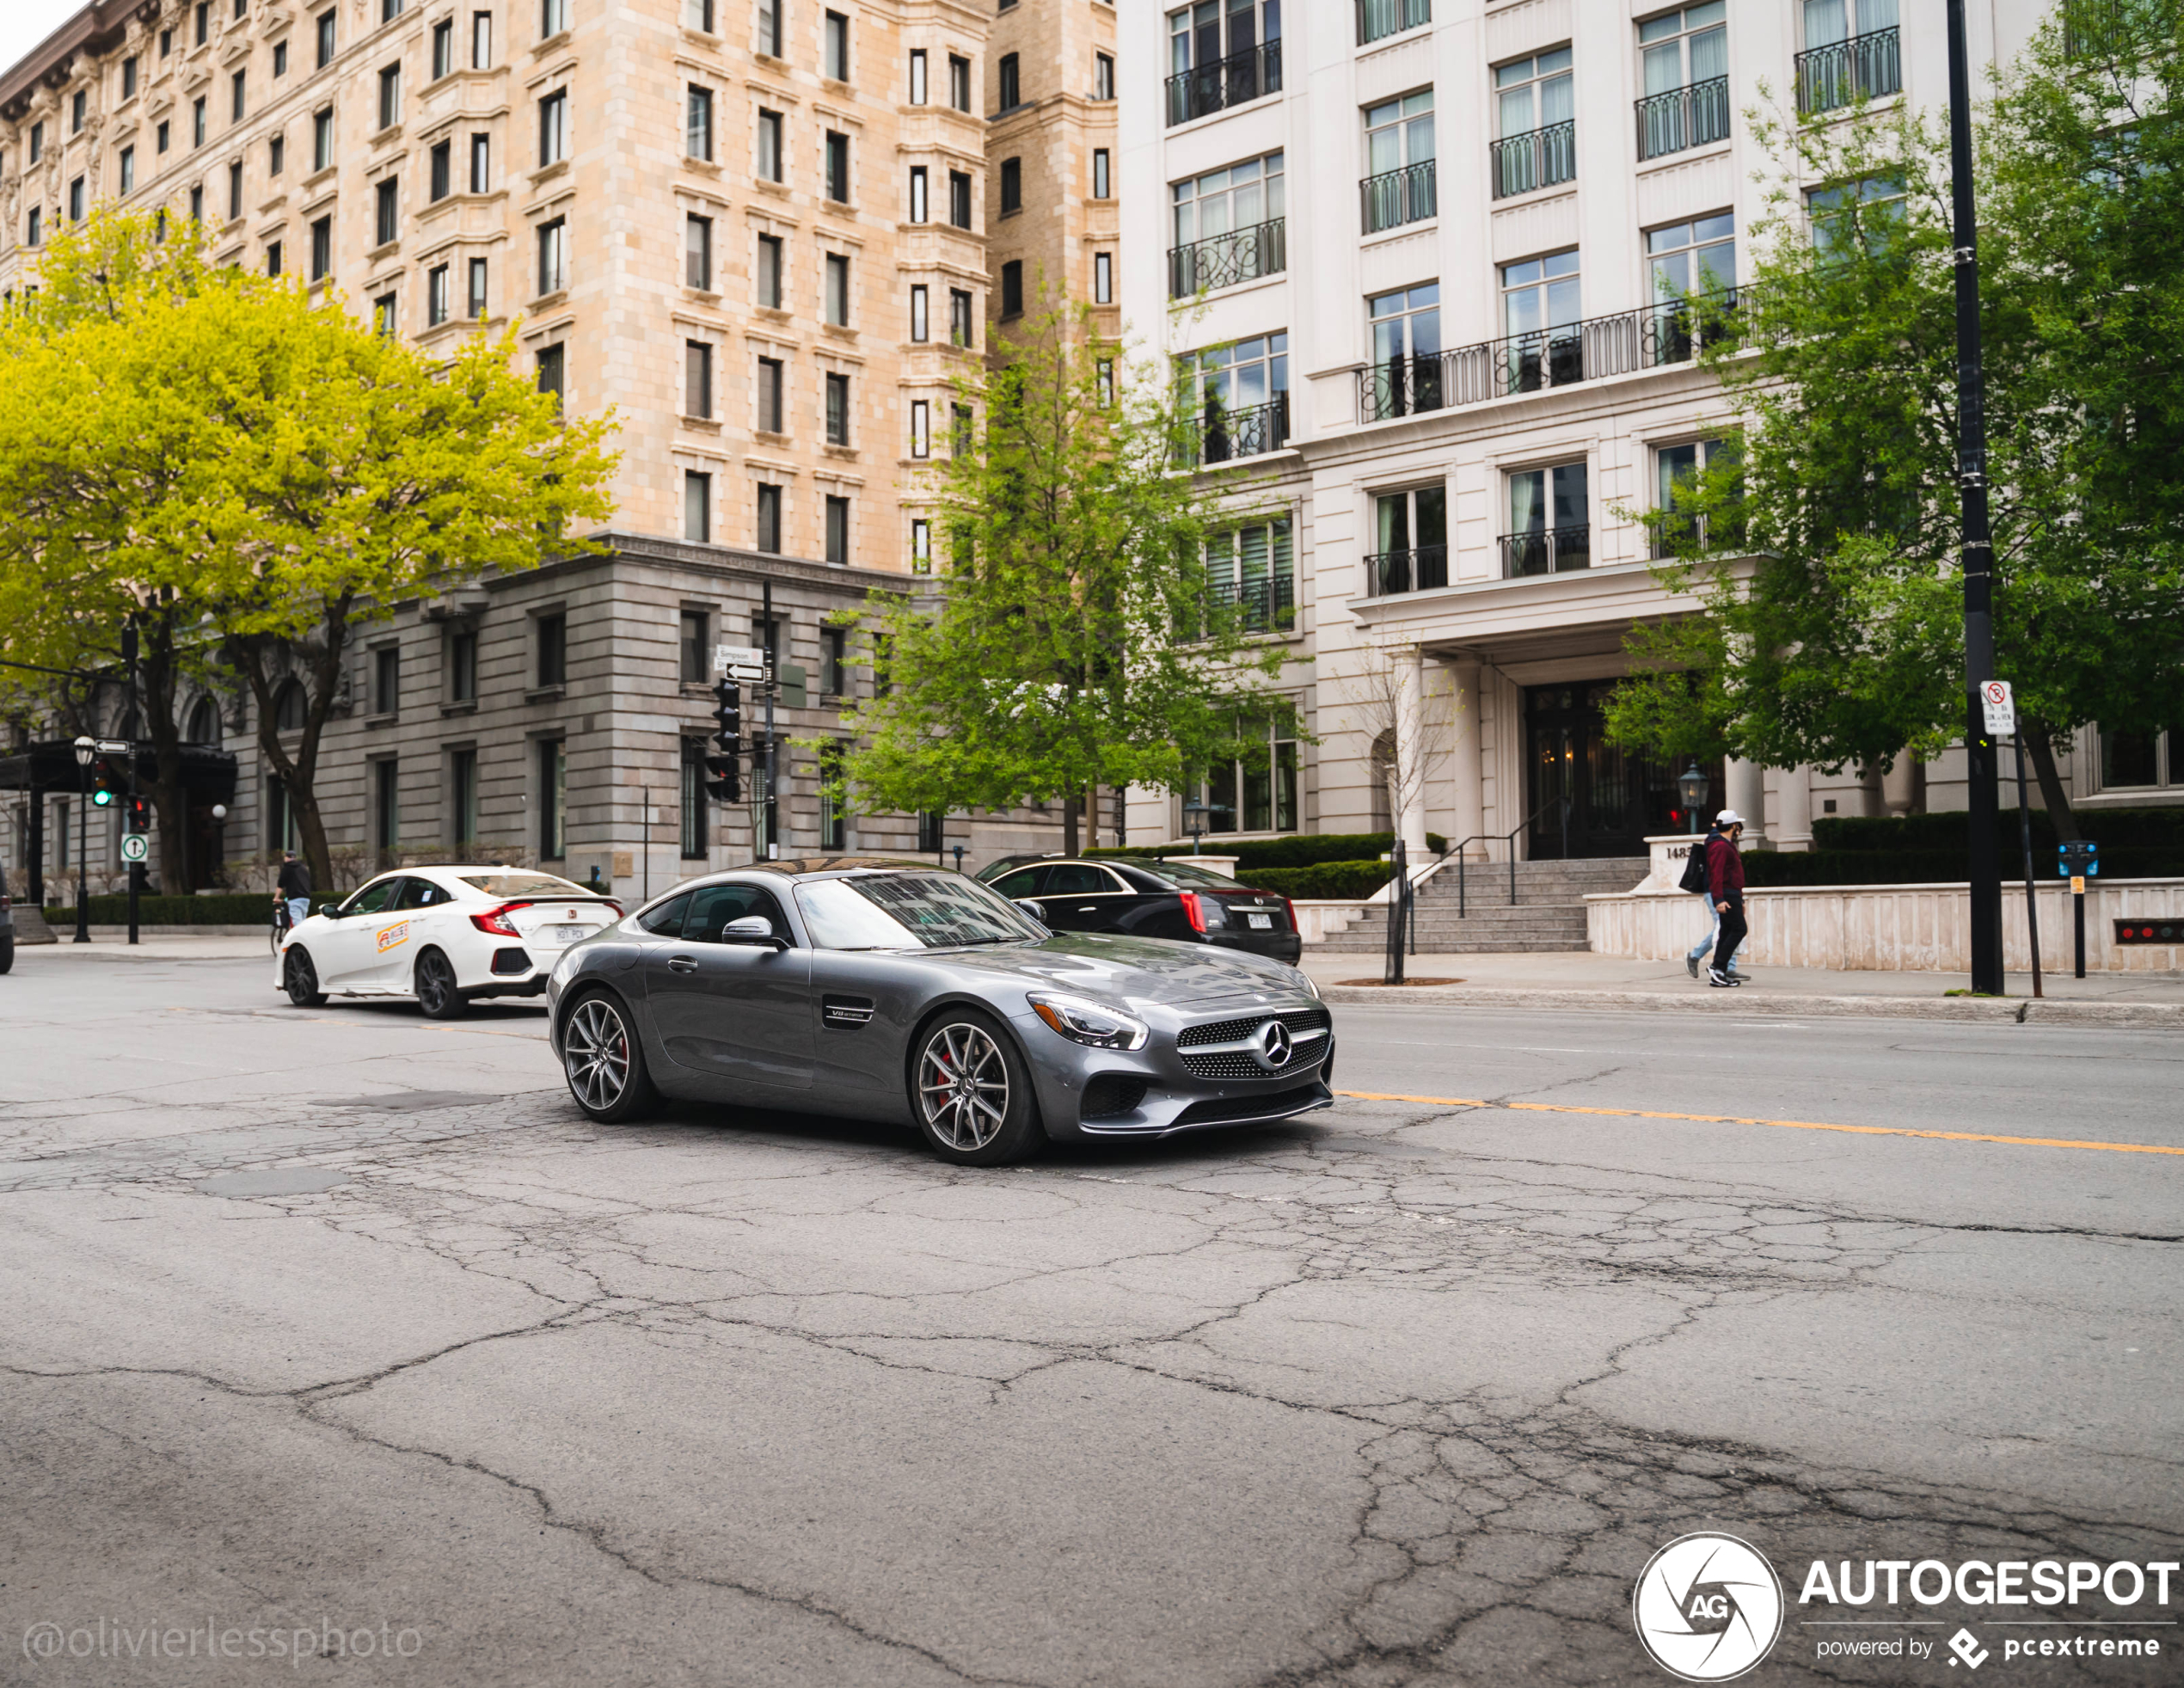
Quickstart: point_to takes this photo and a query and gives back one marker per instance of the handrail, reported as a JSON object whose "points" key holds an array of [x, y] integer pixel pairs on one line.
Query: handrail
{"points": [[1509, 842]]}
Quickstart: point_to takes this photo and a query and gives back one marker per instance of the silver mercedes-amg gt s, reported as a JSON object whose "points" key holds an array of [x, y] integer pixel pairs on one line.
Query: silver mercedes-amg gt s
{"points": [[895, 992]]}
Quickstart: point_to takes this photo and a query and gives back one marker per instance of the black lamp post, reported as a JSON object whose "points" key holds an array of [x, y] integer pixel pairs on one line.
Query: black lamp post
{"points": [[1194, 814], [86, 749], [1692, 784]]}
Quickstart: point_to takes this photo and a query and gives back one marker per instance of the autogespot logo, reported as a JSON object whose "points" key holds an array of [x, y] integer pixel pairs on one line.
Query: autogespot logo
{"points": [[1707, 1607]]}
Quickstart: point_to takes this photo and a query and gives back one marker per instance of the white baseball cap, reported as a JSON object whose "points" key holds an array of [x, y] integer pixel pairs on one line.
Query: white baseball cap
{"points": [[1728, 818]]}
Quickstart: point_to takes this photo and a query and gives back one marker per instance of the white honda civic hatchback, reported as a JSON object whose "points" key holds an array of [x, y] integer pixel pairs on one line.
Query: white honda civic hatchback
{"points": [[445, 936]]}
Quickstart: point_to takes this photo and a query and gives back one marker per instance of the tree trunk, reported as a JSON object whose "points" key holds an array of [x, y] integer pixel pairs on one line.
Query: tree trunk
{"points": [[298, 774], [2039, 745]]}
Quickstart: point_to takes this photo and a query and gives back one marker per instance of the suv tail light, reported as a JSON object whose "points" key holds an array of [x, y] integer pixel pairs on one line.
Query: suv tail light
{"points": [[1192, 912], [1289, 908], [496, 920]]}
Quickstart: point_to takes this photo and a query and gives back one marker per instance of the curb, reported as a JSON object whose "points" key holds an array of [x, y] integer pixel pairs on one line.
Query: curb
{"points": [[2157, 1016]]}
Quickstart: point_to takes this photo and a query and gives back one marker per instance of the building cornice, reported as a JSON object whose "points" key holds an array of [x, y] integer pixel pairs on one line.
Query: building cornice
{"points": [[96, 30]]}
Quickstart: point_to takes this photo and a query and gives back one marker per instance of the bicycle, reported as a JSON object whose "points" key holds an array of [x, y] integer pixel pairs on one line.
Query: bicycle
{"points": [[281, 924]]}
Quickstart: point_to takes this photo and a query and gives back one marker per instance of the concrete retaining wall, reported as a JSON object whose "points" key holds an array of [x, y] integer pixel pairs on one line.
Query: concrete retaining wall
{"points": [[1894, 928]]}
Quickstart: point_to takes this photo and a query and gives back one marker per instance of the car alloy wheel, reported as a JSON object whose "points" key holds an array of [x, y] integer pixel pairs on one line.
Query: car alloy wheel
{"points": [[963, 1086], [300, 979], [435, 985], [604, 1063]]}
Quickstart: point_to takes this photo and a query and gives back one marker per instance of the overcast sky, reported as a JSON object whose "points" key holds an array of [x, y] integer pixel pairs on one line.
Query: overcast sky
{"points": [[24, 24]]}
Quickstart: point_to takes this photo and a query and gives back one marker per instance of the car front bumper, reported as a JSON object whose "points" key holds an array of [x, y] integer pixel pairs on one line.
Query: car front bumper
{"points": [[1087, 1094]]}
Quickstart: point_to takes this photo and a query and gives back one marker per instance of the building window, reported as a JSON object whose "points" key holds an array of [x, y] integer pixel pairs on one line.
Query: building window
{"points": [[386, 810], [1406, 328], [698, 14], [1103, 76], [771, 150], [697, 124], [771, 402], [443, 48], [476, 295], [276, 154], [325, 39], [129, 78], [166, 42], [75, 200], [833, 819], [553, 798], [235, 190], [834, 662], [1851, 52], [838, 47], [693, 647], [323, 139], [322, 248], [1534, 123], [442, 170], [1411, 532], [480, 40], [1550, 523], [932, 832], [389, 10], [1011, 85], [2141, 760], [1675, 470], [390, 96], [1684, 62], [236, 84], [37, 142], [1012, 185], [1686, 258], [481, 163], [837, 409], [1401, 184], [769, 23], [959, 439], [462, 797], [273, 258], [837, 168], [79, 105], [920, 326], [917, 76], [386, 222], [698, 252], [1103, 382], [693, 791], [958, 83], [921, 428], [837, 290], [959, 198], [1230, 226], [553, 16], [768, 537], [197, 122], [553, 650], [196, 204], [553, 257], [386, 680], [1012, 288], [1868, 213], [280, 59], [920, 212], [463, 665], [1103, 278], [697, 379], [1540, 307], [1241, 395], [553, 372], [384, 321], [771, 253], [1102, 174], [961, 330], [553, 128], [921, 546], [838, 529], [436, 296], [202, 18], [165, 134], [1253, 794], [1211, 67], [698, 507]]}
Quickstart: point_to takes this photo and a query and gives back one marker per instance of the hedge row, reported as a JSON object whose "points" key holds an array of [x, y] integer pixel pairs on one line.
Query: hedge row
{"points": [[2114, 829], [1300, 850], [1321, 878], [242, 909]]}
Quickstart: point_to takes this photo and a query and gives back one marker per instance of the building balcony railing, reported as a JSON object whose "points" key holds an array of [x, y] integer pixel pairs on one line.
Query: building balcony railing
{"points": [[1536, 158], [1673, 533], [1652, 337], [1682, 117], [1233, 81], [1864, 67], [1222, 436], [1224, 261], [1396, 197], [1266, 605], [1379, 18], [1550, 550], [1415, 570]]}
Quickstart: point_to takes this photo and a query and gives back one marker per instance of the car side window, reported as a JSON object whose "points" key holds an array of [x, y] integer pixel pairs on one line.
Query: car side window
{"points": [[712, 906], [666, 920], [1077, 879], [376, 898], [421, 893], [1024, 882]]}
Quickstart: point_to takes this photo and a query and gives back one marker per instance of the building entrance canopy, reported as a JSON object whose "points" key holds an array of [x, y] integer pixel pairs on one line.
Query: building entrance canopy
{"points": [[208, 775]]}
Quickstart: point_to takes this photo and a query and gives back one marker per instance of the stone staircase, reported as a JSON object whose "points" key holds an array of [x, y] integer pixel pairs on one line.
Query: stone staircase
{"points": [[1549, 912]]}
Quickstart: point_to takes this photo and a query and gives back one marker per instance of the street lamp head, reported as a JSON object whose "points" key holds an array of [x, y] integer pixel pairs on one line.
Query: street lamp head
{"points": [[1692, 783], [86, 748]]}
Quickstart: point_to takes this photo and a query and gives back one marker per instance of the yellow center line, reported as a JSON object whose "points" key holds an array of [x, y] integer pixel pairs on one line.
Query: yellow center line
{"points": [[1786, 1125]]}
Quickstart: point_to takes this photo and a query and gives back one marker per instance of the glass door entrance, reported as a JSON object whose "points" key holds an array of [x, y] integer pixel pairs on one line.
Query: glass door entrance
{"points": [[1585, 796]]}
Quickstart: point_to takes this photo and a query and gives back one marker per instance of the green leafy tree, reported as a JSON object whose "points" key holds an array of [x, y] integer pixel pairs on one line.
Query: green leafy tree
{"points": [[1076, 636], [1823, 549]]}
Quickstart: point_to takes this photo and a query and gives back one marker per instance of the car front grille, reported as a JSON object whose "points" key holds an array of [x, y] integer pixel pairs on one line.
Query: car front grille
{"points": [[1299, 1020], [1239, 1063]]}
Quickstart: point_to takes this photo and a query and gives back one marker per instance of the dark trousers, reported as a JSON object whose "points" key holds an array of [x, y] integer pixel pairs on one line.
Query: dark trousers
{"points": [[1732, 931]]}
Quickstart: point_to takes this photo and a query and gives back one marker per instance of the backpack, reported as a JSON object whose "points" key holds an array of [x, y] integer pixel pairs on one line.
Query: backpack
{"points": [[1695, 870]]}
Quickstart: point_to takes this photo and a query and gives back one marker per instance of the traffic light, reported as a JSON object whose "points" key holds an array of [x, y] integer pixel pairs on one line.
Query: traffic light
{"points": [[106, 784], [724, 769], [724, 778], [727, 710], [139, 814]]}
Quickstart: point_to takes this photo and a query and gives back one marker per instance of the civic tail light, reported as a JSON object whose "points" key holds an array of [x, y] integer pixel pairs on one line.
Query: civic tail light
{"points": [[616, 906], [496, 920], [1194, 910]]}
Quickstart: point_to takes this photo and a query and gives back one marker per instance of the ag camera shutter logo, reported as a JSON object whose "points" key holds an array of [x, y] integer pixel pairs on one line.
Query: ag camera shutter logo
{"points": [[1707, 1607]]}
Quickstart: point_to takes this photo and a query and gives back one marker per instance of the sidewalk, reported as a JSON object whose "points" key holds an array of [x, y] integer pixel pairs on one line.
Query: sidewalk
{"points": [[112, 944], [1567, 979]]}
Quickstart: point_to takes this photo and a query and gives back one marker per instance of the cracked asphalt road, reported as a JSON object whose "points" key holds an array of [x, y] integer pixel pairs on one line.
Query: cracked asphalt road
{"points": [[343, 1318]]}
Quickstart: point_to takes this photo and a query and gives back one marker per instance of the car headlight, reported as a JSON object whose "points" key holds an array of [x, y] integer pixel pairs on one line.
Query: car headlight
{"points": [[1089, 1022]]}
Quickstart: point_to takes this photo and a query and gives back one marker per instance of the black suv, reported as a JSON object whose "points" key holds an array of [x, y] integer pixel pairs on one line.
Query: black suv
{"points": [[1146, 899], [7, 926]]}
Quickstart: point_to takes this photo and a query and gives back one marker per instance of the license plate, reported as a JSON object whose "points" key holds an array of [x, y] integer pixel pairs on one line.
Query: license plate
{"points": [[1259, 923], [570, 934]]}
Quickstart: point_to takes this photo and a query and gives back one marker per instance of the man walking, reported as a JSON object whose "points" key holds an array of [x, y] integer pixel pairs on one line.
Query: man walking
{"points": [[1697, 872], [1725, 889], [294, 887]]}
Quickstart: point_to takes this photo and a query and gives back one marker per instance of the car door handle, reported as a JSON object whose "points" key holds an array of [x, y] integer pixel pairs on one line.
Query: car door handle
{"points": [[682, 964], [1087, 908]]}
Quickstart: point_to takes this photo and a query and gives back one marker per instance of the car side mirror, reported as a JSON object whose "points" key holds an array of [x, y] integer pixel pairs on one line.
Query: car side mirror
{"points": [[1033, 907], [751, 929], [328, 910]]}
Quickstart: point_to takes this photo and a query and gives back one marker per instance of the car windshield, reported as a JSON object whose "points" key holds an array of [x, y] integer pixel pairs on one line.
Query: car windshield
{"points": [[934, 910], [1181, 873], [524, 885]]}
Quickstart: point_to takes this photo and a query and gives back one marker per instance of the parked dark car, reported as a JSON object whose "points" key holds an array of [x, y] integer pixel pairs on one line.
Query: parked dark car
{"points": [[1145, 898], [7, 926]]}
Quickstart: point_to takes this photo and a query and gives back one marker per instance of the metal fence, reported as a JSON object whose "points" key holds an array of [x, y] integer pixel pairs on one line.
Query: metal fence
{"points": [[1379, 18], [1547, 551], [1536, 158], [1223, 261], [1864, 67], [1396, 197], [1228, 81], [1419, 569], [1221, 434], [1684, 117]]}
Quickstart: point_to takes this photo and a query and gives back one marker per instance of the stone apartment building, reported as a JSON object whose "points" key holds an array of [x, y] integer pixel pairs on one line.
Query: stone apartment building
{"points": [[755, 229], [1453, 383]]}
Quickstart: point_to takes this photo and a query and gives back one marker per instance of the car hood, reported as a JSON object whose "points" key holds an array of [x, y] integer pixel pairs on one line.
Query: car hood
{"points": [[1128, 972]]}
